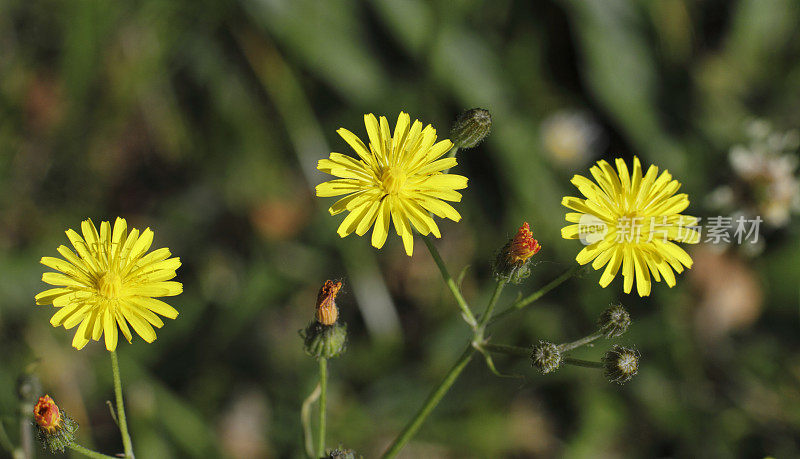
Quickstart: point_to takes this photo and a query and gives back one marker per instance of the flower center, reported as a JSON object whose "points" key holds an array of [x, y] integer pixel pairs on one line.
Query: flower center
{"points": [[392, 179], [110, 285]]}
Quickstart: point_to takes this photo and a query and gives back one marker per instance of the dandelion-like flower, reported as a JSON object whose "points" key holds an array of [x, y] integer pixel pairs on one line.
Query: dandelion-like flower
{"points": [[399, 177], [630, 221], [110, 283]]}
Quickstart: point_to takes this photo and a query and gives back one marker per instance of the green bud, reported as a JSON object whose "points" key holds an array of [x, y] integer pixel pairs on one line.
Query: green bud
{"points": [[546, 357], [324, 341], [614, 321], [471, 127], [621, 364]]}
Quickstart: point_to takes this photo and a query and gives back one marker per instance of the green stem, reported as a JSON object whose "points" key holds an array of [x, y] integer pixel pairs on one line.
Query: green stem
{"points": [[575, 344], [537, 294], [123, 423], [5, 442], [582, 363], [305, 419], [451, 154], [86, 451], [323, 400], [506, 349], [433, 399], [451, 284], [490, 308]]}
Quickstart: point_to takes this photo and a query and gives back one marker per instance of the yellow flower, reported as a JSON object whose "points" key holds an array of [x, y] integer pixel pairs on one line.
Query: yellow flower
{"points": [[109, 283], [398, 177], [629, 221]]}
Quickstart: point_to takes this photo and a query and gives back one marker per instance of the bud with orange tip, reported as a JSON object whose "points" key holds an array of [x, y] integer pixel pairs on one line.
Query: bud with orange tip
{"points": [[56, 429]]}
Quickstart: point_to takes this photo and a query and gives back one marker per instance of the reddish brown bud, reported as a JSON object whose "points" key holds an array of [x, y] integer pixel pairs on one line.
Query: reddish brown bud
{"points": [[327, 312], [522, 246], [47, 415], [511, 264]]}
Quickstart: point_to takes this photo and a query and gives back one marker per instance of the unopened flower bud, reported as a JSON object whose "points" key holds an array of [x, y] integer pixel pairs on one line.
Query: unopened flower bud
{"points": [[324, 341], [546, 357], [471, 127], [327, 312], [341, 453], [56, 430], [325, 337], [511, 264], [621, 364], [614, 321]]}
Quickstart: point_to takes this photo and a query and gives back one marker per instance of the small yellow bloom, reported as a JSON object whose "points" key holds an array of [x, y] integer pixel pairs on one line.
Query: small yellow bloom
{"points": [[110, 283], [398, 177], [629, 221]]}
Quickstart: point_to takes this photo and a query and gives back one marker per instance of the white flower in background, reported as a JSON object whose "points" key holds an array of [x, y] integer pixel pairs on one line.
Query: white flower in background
{"points": [[767, 168], [571, 137]]}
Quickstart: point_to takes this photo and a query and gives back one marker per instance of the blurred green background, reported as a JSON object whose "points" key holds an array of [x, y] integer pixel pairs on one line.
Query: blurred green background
{"points": [[204, 121]]}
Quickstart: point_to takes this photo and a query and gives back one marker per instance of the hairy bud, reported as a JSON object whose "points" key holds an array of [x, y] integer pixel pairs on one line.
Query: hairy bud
{"points": [[614, 321], [56, 430], [621, 364], [471, 127], [546, 357]]}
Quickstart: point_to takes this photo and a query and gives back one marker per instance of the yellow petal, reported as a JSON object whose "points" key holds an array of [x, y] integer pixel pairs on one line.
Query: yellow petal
{"points": [[66, 267], [47, 296], [154, 305], [80, 340], [110, 331], [381, 229], [612, 267], [357, 145], [156, 289], [440, 208], [444, 182], [141, 326], [123, 325], [339, 187], [61, 279], [60, 315]]}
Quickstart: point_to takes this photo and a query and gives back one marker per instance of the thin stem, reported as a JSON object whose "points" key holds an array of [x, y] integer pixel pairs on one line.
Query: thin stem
{"points": [[506, 349], [323, 400], [25, 430], [433, 399], [305, 419], [578, 343], [87, 452], [451, 284], [537, 294], [123, 423], [5, 442], [492, 303], [450, 154], [582, 363]]}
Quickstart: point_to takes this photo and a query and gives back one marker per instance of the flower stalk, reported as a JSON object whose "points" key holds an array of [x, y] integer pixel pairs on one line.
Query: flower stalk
{"points": [[455, 371], [466, 312], [123, 423], [517, 305], [87, 452], [323, 401]]}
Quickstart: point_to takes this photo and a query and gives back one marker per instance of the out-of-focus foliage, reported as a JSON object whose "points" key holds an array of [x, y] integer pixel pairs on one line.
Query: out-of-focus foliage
{"points": [[204, 120]]}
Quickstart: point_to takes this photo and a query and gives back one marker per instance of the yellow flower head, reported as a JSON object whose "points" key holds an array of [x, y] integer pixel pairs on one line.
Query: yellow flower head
{"points": [[398, 177], [629, 221], [110, 283]]}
